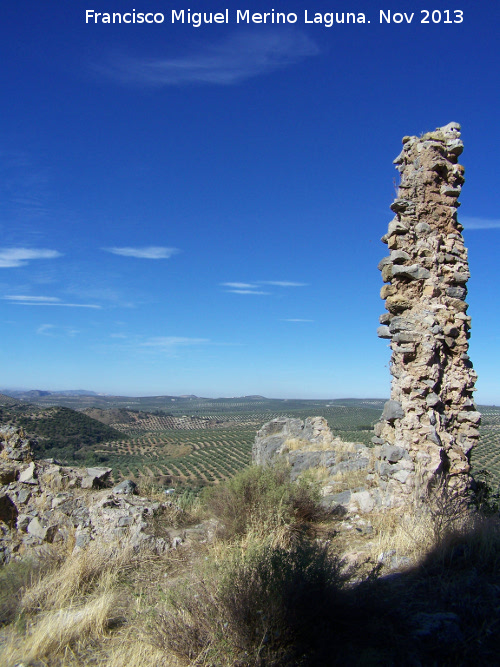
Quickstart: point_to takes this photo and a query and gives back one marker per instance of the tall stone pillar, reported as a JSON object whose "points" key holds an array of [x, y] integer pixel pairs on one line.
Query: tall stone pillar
{"points": [[430, 423]]}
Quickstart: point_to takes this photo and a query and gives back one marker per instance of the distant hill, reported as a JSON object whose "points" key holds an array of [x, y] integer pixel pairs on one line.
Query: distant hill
{"points": [[29, 394], [59, 432], [7, 400], [110, 416]]}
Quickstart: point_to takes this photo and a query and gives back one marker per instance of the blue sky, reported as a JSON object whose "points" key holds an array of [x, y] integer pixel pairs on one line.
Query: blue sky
{"points": [[199, 210]]}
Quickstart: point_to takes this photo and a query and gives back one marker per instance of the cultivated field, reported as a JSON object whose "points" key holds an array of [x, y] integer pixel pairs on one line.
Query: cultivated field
{"points": [[214, 441], [486, 456], [192, 441]]}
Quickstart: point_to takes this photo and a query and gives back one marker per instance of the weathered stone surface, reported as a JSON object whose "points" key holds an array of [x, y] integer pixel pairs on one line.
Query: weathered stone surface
{"points": [[8, 510], [412, 272], [392, 410], [391, 453], [127, 487], [315, 449], [14, 444], [8, 472], [384, 332], [399, 256], [43, 532], [28, 475], [363, 501], [272, 436], [100, 474], [96, 478], [431, 415]]}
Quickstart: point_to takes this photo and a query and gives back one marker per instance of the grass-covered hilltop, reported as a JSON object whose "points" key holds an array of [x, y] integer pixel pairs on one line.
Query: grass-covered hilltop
{"points": [[252, 568]]}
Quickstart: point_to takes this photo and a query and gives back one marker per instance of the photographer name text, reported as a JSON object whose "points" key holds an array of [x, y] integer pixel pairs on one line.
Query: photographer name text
{"points": [[245, 16]]}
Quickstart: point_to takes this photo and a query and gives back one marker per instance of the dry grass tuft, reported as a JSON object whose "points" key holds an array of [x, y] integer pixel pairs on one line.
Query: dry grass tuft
{"points": [[93, 569], [267, 595], [54, 632], [260, 601]]}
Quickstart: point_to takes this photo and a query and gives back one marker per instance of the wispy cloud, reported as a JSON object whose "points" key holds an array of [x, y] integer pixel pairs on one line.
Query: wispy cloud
{"points": [[52, 330], [246, 291], [480, 223], [282, 283], [239, 285], [296, 319], [238, 57], [28, 300], [256, 286], [114, 298], [46, 329], [14, 257], [24, 298], [148, 252]]}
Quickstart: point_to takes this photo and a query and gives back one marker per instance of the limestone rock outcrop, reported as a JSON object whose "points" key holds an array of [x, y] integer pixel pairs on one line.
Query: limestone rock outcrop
{"points": [[14, 445], [44, 502], [310, 447], [430, 423]]}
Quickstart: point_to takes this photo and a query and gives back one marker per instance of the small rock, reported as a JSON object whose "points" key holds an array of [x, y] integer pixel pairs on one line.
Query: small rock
{"points": [[391, 453], [363, 500], [432, 399], [384, 332], [37, 529], [422, 228], [412, 272], [8, 510], [126, 487], [28, 475], [392, 410]]}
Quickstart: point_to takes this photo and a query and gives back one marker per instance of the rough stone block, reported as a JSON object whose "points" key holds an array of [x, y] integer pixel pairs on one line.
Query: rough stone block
{"points": [[28, 475], [384, 332], [8, 510], [392, 410], [391, 453], [412, 272]]}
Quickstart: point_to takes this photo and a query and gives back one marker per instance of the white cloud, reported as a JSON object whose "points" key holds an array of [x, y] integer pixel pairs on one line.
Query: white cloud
{"points": [[282, 283], [22, 298], [239, 285], [479, 223], [45, 329], [117, 335], [237, 58], [51, 330], [148, 252], [253, 288], [14, 257], [245, 291], [26, 300]]}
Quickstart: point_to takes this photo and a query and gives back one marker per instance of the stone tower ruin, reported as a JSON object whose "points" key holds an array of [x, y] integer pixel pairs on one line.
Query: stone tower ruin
{"points": [[430, 423]]}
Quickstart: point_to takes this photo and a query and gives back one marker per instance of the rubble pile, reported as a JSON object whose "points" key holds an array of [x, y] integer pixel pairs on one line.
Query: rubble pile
{"points": [[44, 502]]}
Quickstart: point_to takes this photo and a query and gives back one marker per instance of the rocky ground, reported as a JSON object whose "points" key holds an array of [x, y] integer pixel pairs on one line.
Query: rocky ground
{"points": [[44, 502]]}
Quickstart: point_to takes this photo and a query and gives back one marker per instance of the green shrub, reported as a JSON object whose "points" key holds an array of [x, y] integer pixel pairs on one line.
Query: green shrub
{"points": [[259, 493], [262, 604]]}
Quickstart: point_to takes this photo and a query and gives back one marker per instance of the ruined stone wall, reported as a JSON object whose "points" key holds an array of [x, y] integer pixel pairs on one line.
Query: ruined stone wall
{"points": [[430, 423]]}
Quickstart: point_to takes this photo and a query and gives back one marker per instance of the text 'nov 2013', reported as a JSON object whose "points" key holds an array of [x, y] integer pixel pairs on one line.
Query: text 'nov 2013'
{"points": [[245, 16]]}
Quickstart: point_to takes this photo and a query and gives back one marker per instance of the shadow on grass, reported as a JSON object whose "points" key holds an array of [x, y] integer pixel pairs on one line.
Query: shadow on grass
{"points": [[276, 606]]}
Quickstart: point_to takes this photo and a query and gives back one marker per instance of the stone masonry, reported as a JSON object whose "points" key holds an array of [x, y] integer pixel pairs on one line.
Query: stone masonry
{"points": [[430, 423]]}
